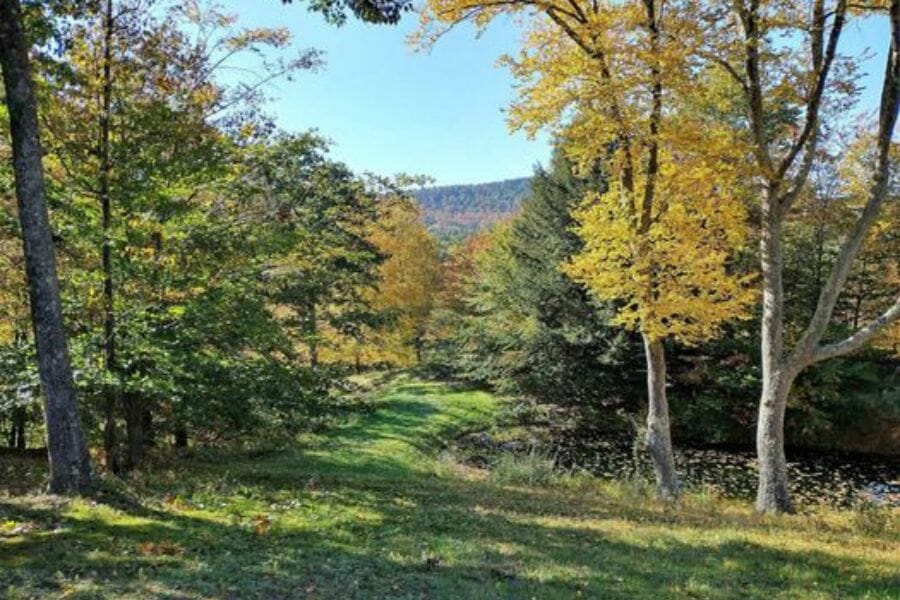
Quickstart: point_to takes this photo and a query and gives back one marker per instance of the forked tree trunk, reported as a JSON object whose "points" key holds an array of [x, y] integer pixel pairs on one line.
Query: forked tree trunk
{"points": [[70, 470], [780, 367], [658, 436]]}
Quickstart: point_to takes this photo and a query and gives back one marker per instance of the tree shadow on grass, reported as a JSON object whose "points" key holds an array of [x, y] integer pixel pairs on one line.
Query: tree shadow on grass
{"points": [[360, 519], [435, 539]]}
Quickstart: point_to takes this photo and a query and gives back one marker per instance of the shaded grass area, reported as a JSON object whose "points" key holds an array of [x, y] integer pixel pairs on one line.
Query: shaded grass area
{"points": [[366, 511]]}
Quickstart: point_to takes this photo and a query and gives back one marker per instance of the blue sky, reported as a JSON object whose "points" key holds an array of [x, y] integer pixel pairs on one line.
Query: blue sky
{"points": [[390, 109]]}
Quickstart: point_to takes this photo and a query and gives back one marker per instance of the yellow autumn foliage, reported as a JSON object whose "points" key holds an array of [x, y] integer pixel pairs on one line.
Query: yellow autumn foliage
{"points": [[672, 280], [407, 288], [616, 84], [408, 282]]}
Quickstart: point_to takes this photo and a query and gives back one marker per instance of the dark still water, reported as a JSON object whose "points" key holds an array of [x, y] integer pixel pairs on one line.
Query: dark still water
{"points": [[817, 477]]}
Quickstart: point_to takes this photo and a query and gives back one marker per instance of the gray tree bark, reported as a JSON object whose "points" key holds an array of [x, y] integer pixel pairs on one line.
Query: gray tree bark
{"points": [[785, 178], [658, 437], [70, 470], [780, 369], [772, 493]]}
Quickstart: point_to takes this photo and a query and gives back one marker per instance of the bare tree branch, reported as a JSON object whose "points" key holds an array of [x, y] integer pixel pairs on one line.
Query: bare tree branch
{"points": [[860, 338], [822, 64], [890, 103]]}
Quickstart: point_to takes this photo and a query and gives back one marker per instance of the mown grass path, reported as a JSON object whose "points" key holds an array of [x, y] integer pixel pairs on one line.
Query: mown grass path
{"points": [[363, 512]]}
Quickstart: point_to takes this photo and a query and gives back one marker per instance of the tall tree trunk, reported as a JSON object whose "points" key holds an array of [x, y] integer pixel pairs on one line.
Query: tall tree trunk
{"points": [[17, 431], [148, 431], [133, 407], [109, 315], [148, 428], [181, 436], [772, 493], [70, 469], [779, 369], [110, 443], [419, 344], [658, 436]]}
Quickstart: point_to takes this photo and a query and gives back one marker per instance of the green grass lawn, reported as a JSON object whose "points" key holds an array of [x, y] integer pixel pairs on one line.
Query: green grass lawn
{"points": [[367, 511]]}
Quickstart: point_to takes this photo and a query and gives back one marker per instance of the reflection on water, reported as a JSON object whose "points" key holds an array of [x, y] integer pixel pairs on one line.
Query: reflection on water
{"points": [[816, 477]]}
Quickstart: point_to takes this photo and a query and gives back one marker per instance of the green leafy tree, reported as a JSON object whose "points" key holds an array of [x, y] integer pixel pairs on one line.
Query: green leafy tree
{"points": [[149, 134], [323, 211]]}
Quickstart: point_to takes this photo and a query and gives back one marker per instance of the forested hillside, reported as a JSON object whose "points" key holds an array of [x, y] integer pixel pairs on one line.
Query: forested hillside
{"points": [[451, 211]]}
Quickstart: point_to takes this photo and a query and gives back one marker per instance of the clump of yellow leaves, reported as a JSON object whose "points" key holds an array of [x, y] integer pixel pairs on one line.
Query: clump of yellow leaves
{"points": [[673, 278]]}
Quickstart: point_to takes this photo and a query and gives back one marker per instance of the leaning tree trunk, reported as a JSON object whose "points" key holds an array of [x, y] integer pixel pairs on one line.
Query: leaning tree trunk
{"points": [[658, 436], [70, 470]]}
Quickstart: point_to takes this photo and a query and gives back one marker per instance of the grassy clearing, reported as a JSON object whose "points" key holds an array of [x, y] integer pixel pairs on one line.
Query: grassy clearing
{"points": [[369, 511]]}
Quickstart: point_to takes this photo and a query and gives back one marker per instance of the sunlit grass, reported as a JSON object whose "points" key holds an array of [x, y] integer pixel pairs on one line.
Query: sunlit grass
{"points": [[375, 510]]}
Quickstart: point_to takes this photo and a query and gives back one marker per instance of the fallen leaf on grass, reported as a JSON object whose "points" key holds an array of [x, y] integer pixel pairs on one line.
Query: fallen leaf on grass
{"points": [[174, 501], [261, 524], [160, 549]]}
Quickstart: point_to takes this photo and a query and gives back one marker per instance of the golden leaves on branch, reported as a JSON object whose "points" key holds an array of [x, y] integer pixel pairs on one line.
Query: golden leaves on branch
{"points": [[673, 280]]}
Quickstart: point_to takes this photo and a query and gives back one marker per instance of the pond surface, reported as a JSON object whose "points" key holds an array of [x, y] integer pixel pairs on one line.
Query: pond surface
{"points": [[817, 477]]}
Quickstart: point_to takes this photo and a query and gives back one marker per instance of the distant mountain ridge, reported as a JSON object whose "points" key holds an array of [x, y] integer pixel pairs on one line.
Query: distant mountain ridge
{"points": [[452, 211]]}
